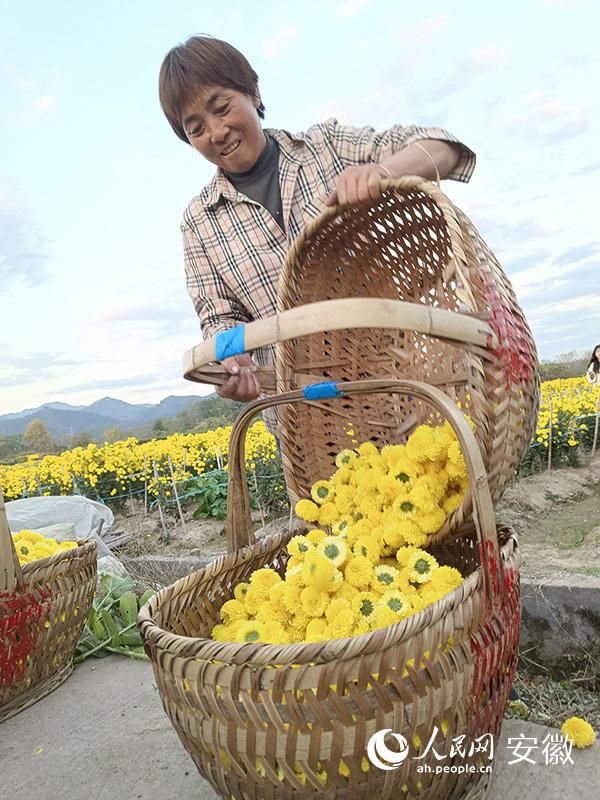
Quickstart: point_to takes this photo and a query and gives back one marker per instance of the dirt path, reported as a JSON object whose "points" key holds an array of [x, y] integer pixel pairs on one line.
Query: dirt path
{"points": [[557, 517]]}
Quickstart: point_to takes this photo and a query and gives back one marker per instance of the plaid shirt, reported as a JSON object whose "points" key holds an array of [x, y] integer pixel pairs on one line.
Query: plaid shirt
{"points": [[233, 247]]}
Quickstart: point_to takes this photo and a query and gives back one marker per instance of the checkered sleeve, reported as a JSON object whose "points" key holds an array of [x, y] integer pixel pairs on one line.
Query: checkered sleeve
{"points": [[365, 145], [216, 305]]}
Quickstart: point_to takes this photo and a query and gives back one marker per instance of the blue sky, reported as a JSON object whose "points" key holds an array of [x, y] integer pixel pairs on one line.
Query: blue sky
{"points": [[93, 182]]}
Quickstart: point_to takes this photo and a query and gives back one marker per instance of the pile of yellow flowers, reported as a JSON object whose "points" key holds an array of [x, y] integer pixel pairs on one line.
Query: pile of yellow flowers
{"points": [[31, 546], [365, 566]]}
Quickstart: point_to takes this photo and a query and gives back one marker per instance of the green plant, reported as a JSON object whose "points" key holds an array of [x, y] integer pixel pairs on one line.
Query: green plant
{"points": [[210, 492], [111, 626]]}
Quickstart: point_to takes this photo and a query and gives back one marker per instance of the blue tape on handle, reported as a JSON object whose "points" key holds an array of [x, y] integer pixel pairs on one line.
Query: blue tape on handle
{"points": [[230, 343], [320, 391]]}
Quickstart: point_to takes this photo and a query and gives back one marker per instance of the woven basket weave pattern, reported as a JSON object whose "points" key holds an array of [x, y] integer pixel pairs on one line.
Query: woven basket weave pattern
{"points": [[249, 713], [41, 618], [411, 245]]}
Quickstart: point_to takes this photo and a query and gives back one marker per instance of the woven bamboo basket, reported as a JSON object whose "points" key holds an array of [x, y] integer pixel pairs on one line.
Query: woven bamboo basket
{"points": [[251, 714], [43, 607], [414, 247]]}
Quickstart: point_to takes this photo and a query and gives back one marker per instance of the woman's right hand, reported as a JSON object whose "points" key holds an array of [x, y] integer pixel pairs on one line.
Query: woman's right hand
{"points": [[242, 385]]}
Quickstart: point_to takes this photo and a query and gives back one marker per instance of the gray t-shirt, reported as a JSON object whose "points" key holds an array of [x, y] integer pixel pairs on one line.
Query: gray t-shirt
{"points": [[261, 182]]}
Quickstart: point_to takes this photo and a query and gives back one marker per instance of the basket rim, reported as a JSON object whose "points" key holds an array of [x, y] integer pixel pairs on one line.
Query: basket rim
{"points": [[268, 654]]}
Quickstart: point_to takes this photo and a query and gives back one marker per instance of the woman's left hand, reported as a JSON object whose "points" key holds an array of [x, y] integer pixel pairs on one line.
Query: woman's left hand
{"points": [[361, 184]]}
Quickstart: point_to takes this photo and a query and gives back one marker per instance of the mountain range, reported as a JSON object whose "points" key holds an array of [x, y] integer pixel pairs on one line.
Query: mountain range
{"points": [[62, 419]]}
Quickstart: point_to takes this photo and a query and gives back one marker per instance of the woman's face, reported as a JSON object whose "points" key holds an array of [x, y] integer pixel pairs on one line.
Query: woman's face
{"points": [[597, 353], [223, 125]]}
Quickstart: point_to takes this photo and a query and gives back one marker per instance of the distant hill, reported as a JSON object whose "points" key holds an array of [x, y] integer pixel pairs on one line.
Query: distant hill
{"points": [[62, 419]]}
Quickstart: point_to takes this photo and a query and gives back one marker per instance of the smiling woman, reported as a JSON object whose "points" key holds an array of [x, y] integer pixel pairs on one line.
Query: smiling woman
{"points": [[269, 185]]}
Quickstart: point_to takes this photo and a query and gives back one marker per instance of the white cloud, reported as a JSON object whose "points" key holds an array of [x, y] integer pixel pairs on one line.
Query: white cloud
{"points": [[486, 56], [350, 8], [278, 41], [571, 305], [422, 31], [44, 104]]}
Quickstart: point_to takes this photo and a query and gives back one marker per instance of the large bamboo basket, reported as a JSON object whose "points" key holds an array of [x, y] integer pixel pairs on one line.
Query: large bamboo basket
{"points": [[43, 607], [450, 318], [247, 713]]}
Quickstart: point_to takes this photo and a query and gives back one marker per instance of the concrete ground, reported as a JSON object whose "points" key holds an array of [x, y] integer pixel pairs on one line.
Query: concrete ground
{"points": [[103, 735]]}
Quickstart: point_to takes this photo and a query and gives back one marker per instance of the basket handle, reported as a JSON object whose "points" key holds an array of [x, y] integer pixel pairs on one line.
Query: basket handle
{"points": [[333, 315], [11, 577], [239, 523]]}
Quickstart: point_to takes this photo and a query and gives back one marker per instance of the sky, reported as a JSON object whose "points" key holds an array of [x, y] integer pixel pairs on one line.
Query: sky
{"points": [[93, 182]]}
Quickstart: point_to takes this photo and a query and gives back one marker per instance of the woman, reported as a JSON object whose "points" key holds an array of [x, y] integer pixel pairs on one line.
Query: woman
{"points": [[593, 370], [269, 184]]}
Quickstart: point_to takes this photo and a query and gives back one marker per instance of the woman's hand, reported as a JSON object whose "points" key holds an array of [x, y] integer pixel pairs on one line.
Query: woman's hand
{"points": [[361, 184], [243, 385]]}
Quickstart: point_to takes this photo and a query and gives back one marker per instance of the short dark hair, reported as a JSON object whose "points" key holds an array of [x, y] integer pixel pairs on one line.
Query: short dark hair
{"points": [[199, 62]]}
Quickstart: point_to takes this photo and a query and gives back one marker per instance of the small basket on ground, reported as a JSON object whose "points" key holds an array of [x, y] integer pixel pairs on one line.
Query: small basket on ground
{"points": [[294, 721], [43, 607], [404, 288]]}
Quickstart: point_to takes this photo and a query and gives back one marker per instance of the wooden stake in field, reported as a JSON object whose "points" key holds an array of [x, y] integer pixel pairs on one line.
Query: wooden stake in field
{"points": [[176, 495], [184, 458], [596, 426], [219, 457], [145, 486], [160, 511], [550, 434]]}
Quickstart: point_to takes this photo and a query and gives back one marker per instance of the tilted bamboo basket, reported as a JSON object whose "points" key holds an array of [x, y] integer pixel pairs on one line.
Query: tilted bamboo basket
{"points": [[414, 292], [249, 714], [43, 607]]}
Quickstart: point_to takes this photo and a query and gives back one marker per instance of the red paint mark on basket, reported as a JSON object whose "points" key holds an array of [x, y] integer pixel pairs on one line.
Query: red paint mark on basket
{"points": [[18, 614], [514, 351]]}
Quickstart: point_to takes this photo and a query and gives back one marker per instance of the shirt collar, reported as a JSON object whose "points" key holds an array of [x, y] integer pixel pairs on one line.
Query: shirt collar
{"points": [[290, 145]]}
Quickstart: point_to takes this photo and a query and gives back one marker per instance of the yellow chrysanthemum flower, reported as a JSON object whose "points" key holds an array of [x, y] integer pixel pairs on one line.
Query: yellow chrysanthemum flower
{"points": [[345, 458], [232, 611], [405, 507], [298, 546], [358, 572], [251, 632], [367, 547], [290, 598], [315, 536], [451, 502], [342, 527], [431, 521], [397, 602], [322, 491], [317, 570], [264, 578], [342, 625], [240, 591], [307, 510], [364, 604], [367, 449], [255, 597], [344, 500], [446, 578], [341, 477], [384, 578], [328, 514], [316, 630], [579, 731], [334, 548], [314, 601], [29, 535], [420, 566]]}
